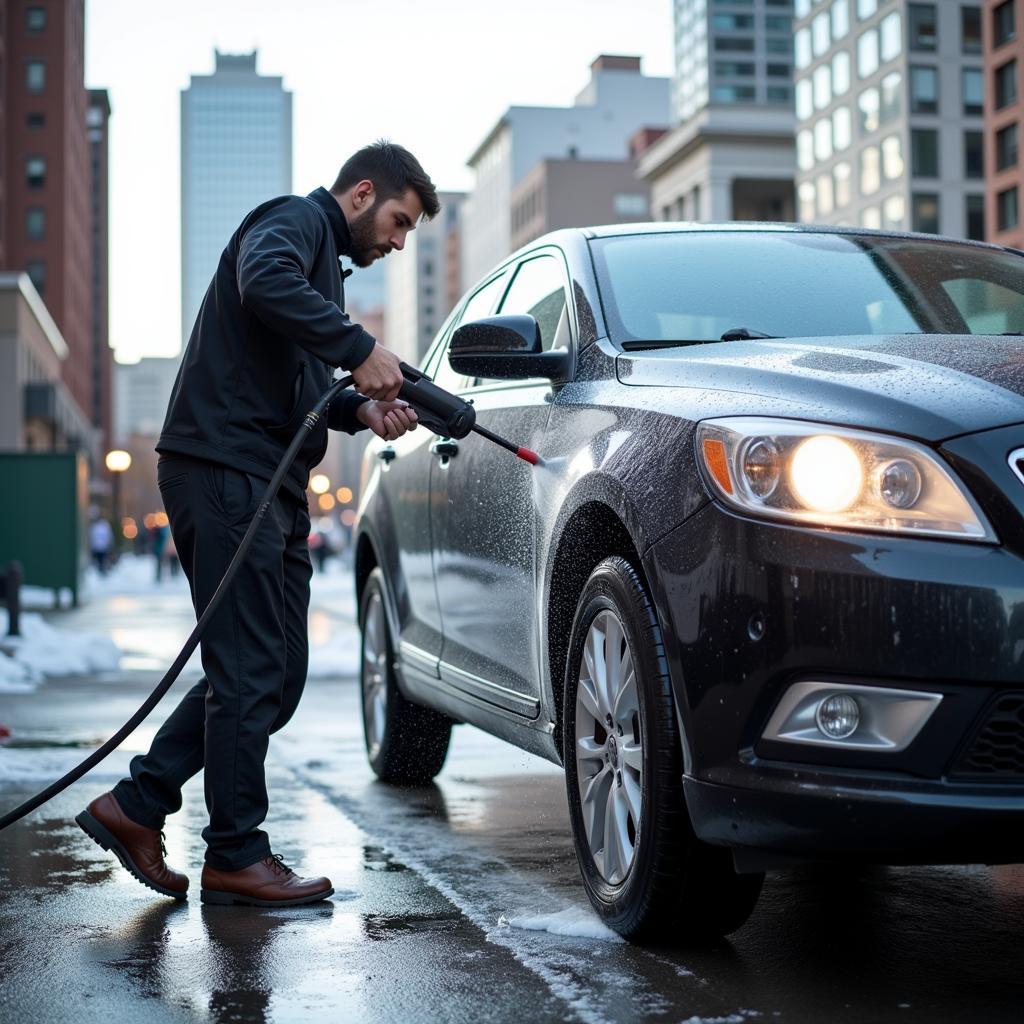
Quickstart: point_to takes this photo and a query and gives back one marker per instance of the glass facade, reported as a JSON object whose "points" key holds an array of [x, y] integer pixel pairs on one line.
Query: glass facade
{"points": [[235, 154]]}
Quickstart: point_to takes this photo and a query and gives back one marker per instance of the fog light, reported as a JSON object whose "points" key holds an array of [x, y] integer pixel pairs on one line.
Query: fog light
{"points": [[838, 716]]}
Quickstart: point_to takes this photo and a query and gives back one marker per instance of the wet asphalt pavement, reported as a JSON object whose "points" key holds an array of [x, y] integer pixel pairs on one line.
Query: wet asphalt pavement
{"points": [[427, 882]]}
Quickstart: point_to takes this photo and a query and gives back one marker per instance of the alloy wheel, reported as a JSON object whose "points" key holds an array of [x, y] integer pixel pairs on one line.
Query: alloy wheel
{"points": [[375, 674], [609, 747]]}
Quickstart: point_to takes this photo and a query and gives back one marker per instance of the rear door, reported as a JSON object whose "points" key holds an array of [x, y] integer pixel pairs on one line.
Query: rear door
{"points": [[483, 514]]}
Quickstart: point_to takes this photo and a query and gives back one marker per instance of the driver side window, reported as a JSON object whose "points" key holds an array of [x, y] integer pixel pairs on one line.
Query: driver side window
{"points": [[539, 290]]}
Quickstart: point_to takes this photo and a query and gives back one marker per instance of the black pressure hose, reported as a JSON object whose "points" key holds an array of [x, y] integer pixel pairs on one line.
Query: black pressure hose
{"points": [[310, 421]]}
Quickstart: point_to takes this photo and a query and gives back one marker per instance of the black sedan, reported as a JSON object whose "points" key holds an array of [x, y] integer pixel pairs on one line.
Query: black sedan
{"points": [[763, 595]]}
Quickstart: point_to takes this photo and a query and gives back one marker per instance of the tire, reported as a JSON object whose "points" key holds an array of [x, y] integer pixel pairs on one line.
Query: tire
{"points": [[406, 743], [646, 873]]}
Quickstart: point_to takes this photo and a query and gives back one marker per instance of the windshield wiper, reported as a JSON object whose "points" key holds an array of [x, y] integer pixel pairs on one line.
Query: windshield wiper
{"points": [[744, 334], [735, 334]]}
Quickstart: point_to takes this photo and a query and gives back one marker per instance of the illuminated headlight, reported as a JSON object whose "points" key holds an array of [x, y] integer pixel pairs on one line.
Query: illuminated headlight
{"points": [[816, 474]]}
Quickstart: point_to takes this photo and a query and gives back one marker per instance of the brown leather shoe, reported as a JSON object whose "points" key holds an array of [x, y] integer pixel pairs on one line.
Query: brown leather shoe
{"points": [[267, 883], [139, 849]]}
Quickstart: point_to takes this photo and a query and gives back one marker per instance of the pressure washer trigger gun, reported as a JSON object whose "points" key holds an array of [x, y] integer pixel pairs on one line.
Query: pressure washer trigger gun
{"points": [[448, 415], [443, 413]]}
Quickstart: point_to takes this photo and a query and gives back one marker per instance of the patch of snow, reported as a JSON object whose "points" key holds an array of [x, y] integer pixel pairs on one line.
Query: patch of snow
{"points": [[44, 764], [574, 921], [337, 655], [43, 650], [15, 677], [734, 1018]]}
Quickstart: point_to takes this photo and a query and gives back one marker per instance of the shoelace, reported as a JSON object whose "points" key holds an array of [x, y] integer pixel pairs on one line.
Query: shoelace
{"points": [[278, 866], [163, 844]]}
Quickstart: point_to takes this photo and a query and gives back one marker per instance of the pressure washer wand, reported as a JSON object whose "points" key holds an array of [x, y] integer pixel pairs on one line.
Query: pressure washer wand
{"points": [[448, 415]]}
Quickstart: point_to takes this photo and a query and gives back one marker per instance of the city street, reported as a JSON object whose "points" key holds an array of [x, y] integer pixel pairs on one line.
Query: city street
{"points": [[458, 901]]}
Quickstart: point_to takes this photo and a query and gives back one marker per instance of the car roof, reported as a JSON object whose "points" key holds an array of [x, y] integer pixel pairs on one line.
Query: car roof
{"points": [[742, 227]]}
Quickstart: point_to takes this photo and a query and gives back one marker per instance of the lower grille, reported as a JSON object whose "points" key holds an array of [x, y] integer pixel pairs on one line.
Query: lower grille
{"points": [[996, 750]]}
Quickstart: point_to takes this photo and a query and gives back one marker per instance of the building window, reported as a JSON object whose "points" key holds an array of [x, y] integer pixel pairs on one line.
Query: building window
{"points": [[1006, 85], [865, 8], [778, 23], [806, 201], [893, 211], [1006, 147], [867, 53], [826, 202], [842, 173], [737, 45], [889, 35], [970, 30], [840, 18], [631, 204], [35, 172], [974, 155], [778, 70], [924, 153], [804, 99], [35, 19], [823, 139], [1006, 209], [975, 217], [892, 158], [840, 72], [1003, 23], [922, 27], [733, 93], [780, 94], [871, 217], [801, 8], [35, 76], [822, 86], [867, 106], [924, 90], [870, 171], [842, 128], [730, 68], [35, 121], [805, 150], [820, 34], [924, 212], [892, 92], [36, 270], [732, 22], [35, 223], [801, 48]]}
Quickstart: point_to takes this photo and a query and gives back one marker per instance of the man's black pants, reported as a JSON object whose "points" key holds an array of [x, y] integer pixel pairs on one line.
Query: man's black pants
{"points": [[254, 654]]}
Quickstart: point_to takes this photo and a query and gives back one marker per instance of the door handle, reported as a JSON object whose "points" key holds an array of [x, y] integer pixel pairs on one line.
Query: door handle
{"points": [[387, 454], [446, 448]]}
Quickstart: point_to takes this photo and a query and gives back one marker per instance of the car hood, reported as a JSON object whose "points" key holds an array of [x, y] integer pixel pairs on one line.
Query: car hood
{"points": [[930, 386]]}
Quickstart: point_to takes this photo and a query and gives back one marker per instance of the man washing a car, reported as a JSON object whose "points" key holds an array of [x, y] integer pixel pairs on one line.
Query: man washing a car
{"points": [[269, 334]]}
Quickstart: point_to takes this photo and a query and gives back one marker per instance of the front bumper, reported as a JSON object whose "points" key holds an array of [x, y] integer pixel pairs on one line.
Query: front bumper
{"points": [[750, 607]]}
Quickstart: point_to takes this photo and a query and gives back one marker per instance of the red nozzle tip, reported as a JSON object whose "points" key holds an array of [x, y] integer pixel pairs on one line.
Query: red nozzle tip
{"points": [[527, 456]]}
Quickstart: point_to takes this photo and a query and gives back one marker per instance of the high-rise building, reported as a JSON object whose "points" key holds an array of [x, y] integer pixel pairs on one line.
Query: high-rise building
{"points": [[101, 356], [889, 98], [1003, 51], [236, 152], [616, 101], [423, 281], [730, 153], [45, 213]]}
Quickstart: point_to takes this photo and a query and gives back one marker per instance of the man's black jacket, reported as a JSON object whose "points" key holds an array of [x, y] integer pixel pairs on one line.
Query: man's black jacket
{"points": [[266, 341]]}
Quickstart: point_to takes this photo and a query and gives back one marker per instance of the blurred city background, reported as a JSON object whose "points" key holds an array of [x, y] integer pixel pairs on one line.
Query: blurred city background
{"points": [[879, 113]]}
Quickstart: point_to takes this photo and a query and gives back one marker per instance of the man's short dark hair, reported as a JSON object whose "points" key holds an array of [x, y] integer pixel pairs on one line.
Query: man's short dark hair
{"points": [[393, 170]]}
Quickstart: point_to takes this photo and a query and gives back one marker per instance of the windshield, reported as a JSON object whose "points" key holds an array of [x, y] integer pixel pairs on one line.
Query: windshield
{"points": [[695, 287]]}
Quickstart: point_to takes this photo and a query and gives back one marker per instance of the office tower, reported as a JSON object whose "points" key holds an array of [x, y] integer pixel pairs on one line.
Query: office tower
{"points": [[236, 152], [889, 98], [1003, 53]]}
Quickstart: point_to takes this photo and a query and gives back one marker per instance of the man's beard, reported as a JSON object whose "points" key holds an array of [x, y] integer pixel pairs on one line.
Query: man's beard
{"points": [[364, 241]]}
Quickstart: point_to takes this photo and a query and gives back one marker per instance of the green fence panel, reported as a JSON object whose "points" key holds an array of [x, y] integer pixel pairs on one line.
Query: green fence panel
{"points": [[43, 499]]}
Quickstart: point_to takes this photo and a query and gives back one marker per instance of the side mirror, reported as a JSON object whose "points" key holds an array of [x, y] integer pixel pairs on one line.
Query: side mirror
{"points": [[506, 348]]}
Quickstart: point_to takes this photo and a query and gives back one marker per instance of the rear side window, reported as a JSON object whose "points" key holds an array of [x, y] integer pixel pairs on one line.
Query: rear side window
{"points": [[480, 304]]}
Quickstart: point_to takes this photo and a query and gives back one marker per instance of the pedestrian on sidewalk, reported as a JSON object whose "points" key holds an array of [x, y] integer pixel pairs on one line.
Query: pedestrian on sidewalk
{"points": [[101, 541], [269, 335]]}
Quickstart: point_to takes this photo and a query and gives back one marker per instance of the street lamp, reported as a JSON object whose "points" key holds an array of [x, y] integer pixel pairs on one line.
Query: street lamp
{"points": [[117, 462]]}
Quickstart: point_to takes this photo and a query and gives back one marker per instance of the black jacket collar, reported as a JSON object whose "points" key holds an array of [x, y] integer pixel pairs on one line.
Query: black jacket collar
{"points": [[339, 225]]}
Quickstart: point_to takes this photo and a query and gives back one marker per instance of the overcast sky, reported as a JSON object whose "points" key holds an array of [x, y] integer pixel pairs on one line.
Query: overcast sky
{"points": [[434, 76]]}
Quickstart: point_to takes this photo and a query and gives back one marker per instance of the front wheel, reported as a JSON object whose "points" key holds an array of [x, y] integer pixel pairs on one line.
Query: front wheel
{"points": [[406, 743], [646, 873]]}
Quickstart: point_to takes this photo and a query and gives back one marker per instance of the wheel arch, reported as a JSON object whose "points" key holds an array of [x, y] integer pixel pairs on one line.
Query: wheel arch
{"points": [[593, 532]]}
